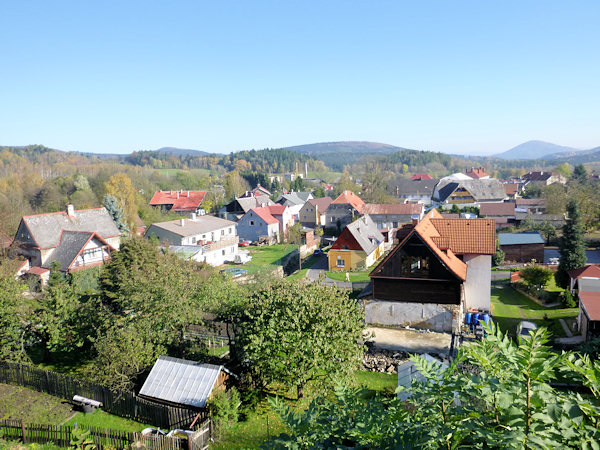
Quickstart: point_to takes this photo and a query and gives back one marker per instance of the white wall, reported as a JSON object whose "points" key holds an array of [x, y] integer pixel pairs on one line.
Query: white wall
{"points": [[479, 279]]}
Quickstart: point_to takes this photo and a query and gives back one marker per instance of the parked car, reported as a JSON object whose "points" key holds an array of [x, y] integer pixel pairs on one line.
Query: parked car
{"points": [[244, 243], [524, 328], [319, 252], [234, 272]]}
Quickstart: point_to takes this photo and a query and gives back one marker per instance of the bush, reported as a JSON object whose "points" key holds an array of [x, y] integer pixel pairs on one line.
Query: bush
{"points": [[536, 276], [498, 258], [223, 407], [566, 298]]}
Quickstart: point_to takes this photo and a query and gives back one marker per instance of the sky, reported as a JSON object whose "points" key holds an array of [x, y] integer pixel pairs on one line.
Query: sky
{"points": [[452, 76]]}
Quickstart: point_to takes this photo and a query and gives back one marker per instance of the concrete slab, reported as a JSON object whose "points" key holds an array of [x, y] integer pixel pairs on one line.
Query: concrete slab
{"points": [[411, 341]]}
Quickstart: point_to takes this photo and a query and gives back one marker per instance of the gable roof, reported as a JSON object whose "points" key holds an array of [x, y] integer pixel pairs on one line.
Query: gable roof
{"points": [[393, 208], [201, 224], [180, 381], [294, 198], [448, 237], [180, 200], [46, 228], [366, 234], [277, 209], [265, 214], [349, 198], [258, 189], [482, 190], [321, 203], [247, 203], [537, 176], [421, 176], [71, 244], [591, 270], [420, 187], [511, 188], [476, 173], [497, 209], [530, 237]]}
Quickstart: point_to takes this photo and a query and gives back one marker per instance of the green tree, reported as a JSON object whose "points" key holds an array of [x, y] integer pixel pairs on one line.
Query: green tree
{"points": [[120, 187], [495, 394], [571, 246], [115, 211], [14, 315], [296, 333], [498, 258], [565, 169], [536, 276], [580, 174]]}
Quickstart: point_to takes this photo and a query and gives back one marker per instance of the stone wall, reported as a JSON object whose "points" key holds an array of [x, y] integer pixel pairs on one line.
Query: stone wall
{"points": [[429, 316], [381, 360]]}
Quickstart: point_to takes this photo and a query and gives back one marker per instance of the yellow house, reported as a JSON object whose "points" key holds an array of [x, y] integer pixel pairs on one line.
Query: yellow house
{"points": [[358, 247]]}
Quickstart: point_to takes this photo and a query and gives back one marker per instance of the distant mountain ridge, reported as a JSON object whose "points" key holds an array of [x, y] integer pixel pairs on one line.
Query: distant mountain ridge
{"points": [[537, 150], [181, 151], [354, 147]]}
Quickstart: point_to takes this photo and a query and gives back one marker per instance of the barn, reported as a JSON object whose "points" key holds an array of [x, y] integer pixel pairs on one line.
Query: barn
{"points": [[522, 247]]}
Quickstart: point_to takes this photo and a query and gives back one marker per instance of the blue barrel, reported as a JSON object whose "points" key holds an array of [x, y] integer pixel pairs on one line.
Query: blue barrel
{"points": [[485, 318], [468, 318], [475, 319]]}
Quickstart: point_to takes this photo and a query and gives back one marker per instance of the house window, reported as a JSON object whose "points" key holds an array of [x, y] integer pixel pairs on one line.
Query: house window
{"points": [[222, 232], [341, 263], [193, 240], [345, 247], [223, 252], [230, 230], [252, 223], [311, 210], [395, 224]]}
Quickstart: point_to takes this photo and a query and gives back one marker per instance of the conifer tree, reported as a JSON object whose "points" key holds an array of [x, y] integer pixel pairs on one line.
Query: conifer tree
{"points": [[572, 245]]}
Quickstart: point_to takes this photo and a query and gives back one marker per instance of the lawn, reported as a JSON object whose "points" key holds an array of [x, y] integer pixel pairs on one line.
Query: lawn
{"points": [[509, 307], [355, 277], [103, 419], [264, 258], [263, 422]]}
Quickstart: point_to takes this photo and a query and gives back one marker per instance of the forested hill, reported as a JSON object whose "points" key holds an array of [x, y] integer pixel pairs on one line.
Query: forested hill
{"points": [[336, 155]]}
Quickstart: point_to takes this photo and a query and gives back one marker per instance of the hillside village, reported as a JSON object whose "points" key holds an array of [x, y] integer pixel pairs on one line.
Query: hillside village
{"points": [[286, 282]]}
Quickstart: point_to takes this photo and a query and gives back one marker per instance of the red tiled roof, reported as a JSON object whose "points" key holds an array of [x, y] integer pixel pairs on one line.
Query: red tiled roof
{"points": [[180, 200], [497, 209], [392, 208], [468, 236], [591, 270], [276, 209], [265, 214], [591, 303], [38, 270], [349, 198], [421, 176], [476, 173], [511, 188]]}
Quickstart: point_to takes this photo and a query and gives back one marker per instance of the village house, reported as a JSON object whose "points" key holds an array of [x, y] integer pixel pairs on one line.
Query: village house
{"points": [[512, 190], [312, 213], [477, 173], [343, 210], [216, 238], [416, 190], [235, 209], [392, 215], [522, 247], [75, 239], [441, 269], [462, 190], [181, 202], [295, 201], [359, 246], [585, 286], [531, 205], [270, 221], [543, 178], [502, 213]]}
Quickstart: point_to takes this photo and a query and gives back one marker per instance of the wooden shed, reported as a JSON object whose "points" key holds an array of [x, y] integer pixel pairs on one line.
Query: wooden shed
{"points": [[522, 247]]}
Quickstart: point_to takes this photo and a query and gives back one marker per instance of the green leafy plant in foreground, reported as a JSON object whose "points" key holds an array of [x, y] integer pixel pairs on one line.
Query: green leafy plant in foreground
{"points": [[495, 394]]}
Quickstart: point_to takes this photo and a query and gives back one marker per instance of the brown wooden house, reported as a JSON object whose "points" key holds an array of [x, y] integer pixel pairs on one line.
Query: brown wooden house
{"points": [[522, 247]]}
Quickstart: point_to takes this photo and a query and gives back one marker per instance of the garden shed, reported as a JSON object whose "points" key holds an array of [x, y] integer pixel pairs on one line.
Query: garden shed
{"points": [[522, 247], [182, 383]]}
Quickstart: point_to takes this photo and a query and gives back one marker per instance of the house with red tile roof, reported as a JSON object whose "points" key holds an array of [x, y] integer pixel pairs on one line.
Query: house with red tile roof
{"points": [[585, 284], [589, 271], [272, 221], [359, 246], [441, 269], [75, 239], [421, 176], [477, 173], [343, 210], [181, 202]]}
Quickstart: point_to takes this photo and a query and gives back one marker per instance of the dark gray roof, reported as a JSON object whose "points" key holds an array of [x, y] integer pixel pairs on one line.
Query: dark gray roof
{"points": [[71, 243], [248, 203], [294, 198], [482, 190], [415, 187], [365, 231], [46, 228], [532, 237], [180, 381]]}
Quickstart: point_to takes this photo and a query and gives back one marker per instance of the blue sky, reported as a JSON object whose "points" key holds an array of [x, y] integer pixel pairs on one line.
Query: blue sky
{"points": [[464, 77]]}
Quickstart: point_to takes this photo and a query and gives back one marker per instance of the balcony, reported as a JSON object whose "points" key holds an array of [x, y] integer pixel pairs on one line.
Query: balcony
{"points": [[227, 241]]}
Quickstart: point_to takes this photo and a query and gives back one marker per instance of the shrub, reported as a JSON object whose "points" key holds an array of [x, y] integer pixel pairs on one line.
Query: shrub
{"points": [[536, 276], [566, 298], [223, 407], [498, 258]]}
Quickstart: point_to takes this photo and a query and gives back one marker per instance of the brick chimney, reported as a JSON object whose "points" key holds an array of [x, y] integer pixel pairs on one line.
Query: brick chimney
{"points": [[182, 222]]}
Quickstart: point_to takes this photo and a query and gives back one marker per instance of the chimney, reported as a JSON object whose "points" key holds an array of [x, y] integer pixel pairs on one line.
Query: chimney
{"points": [[415, 222], [70, 210], [305, 170], [182, 222], [177, 195], [188, 194]]}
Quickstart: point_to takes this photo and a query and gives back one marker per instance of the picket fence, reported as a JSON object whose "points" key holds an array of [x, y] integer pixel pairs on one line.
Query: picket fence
{"points": [[120, 403], [102, 438]]}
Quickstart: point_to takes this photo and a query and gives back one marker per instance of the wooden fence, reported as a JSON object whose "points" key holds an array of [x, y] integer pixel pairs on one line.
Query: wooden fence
{"points": [[120, 403]]}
